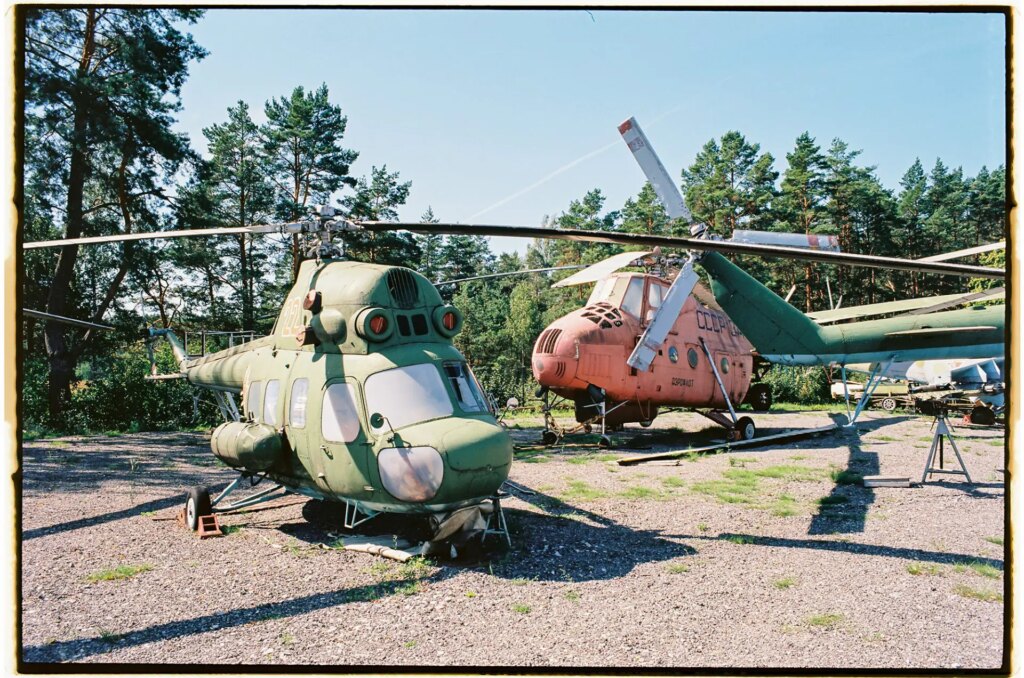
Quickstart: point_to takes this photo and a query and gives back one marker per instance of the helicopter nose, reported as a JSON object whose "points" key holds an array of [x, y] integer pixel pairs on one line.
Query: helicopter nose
{"points": [[480, 454], [554, 357]]}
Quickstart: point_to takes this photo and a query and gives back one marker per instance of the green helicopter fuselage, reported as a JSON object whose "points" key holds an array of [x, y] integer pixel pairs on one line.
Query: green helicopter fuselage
{"points": [[359, 395]]}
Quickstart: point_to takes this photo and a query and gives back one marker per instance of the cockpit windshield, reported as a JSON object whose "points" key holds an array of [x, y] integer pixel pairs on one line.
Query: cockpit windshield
{"points": [[407, 395], [602, 291], [633, 300]]}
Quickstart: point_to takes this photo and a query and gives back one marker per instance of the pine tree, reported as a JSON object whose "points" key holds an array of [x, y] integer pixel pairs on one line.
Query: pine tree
{"points": [[102, 85], [431, 260], [377, 199], [241, 195], [306, 163], [800, 203]]}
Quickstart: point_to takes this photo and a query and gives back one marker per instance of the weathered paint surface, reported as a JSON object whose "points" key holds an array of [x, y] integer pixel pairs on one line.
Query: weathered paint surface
{"points": [[591, 345]]}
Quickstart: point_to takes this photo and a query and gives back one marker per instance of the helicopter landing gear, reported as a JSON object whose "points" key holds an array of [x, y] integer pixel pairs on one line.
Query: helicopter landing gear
{"points": [[739, 428], [744, 429], [759, 397], [197, 504]]}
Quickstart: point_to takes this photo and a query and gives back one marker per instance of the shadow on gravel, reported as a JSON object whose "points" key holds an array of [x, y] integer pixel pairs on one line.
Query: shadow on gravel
{"points": [[154, 505], [74, 650], [845, 509], [567, 543], [848, 547]]}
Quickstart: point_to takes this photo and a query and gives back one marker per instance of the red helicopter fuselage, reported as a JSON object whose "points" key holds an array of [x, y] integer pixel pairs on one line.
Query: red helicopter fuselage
{"points": [[589, 347]]}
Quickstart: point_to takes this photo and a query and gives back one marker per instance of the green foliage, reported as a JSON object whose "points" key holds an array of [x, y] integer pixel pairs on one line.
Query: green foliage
{"points": [[798, 384], [116, 396]]}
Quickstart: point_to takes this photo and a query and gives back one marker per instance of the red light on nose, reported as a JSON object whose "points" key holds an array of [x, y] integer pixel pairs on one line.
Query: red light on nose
{"points": [[378, 324], [448, 320]]}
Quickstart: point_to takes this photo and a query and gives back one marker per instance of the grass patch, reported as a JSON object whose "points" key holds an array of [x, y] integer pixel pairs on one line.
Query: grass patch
{"points": [[678, 568], [572, 596], [521, 608], [641, 492], [978, 594], [740, 539], [230, 529], [587, 458], [845, 476], [153, 513], [703, 527], [470, 594], [741, 462], [784, 583], [978, 568], [414, 568], [734, 490], [579, 489], [998, 541], [829, 620], [409, 644], [410, 589], [920, 568], [109, 637], [795, 472], [784, 506], [798, 457], [119, 572], [520, 581], [832, 500], [673, 481], [885, 439]]}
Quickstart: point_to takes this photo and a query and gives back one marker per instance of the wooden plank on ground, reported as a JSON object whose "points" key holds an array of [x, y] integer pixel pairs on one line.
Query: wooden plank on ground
{"points": [[728, 445], [886, 481]]}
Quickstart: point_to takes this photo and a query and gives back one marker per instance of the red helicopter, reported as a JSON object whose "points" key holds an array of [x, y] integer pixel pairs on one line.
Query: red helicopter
{"points": [[705, 363]]}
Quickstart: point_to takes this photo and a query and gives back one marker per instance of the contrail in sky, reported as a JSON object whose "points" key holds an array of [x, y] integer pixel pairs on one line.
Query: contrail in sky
{"points": [[567, 167]]}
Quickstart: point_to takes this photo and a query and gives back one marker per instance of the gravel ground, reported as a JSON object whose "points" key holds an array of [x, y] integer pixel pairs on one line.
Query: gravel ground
{"points": [[756, 558]]}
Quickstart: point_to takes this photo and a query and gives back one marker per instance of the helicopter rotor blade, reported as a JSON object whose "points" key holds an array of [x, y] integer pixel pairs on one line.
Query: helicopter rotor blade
{"points": [[50, 317], [601, 269], [646, 349], [655, 172], [966, 253], [647, 241], [457, 281], [297, 227]]}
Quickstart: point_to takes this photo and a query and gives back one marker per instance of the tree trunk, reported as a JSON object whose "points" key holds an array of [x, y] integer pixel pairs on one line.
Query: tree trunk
{"points": [[62, 362]]}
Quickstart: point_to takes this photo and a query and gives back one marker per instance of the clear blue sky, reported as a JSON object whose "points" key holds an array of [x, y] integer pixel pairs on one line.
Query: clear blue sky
{"points": [[475, 106]]}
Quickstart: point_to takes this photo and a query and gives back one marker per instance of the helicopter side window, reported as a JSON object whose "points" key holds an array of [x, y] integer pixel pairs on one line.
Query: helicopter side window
{"points": [[634, 297], [270, 402], [252, 399], [466, 390], [340, 422], [297, 411], [407, 395], [654, 294]]}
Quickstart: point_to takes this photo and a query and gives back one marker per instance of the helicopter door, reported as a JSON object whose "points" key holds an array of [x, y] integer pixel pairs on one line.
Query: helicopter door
{"points": [[339, 461]]}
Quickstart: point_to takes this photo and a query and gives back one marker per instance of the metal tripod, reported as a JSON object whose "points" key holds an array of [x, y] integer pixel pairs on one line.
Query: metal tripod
{"points": [[942, 432]]}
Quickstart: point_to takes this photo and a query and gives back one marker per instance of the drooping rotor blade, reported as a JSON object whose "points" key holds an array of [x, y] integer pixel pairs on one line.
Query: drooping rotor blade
{"points": [[601, 269], [669, 242], [994, 293], [159, 235], [458, 281], [62, 319], [914, 306], [813, 241], [654, 336], [655, 172], [966, 253]]}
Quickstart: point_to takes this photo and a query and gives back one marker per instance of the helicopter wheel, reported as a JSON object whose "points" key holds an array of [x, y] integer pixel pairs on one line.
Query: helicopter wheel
{"points": [[549, 437], [587, 428], [605, 443], [744, 429], [197, 503], [889, 404]]}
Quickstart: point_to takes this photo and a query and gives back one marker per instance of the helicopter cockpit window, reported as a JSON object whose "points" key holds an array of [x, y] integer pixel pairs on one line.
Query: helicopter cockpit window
{"points": [[407, 395], [602, 290], [467, 391], [297, 403], [340, 422], [270, 402], [252, 400], [654, 293], [634, 297]]}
